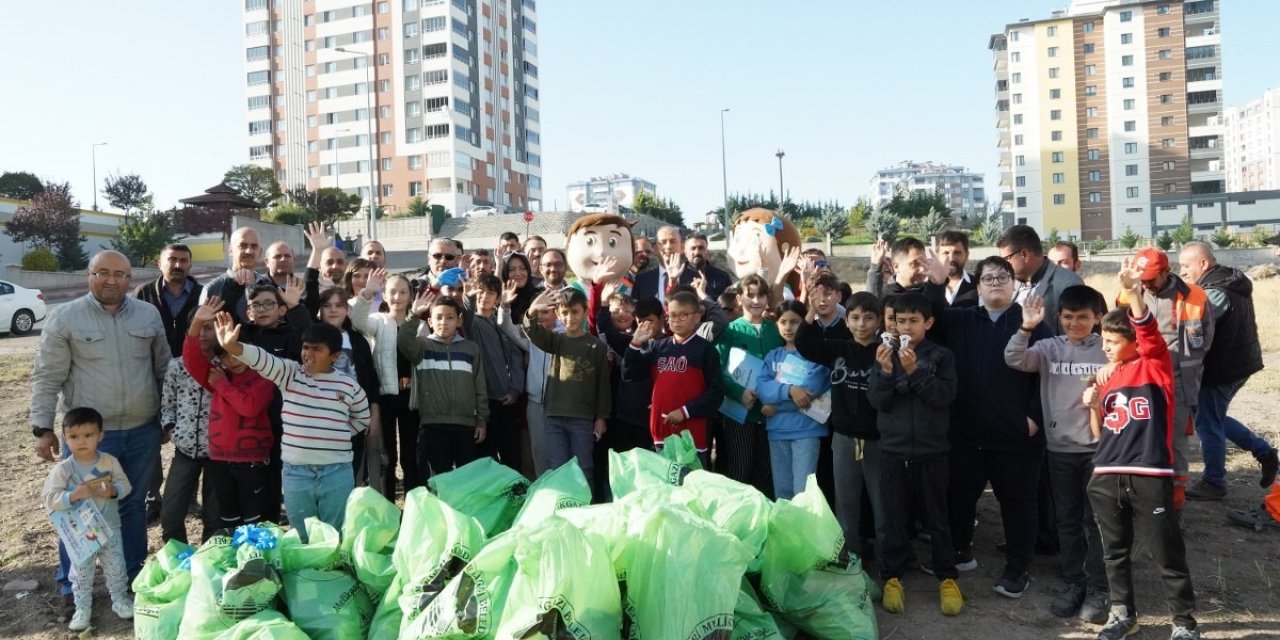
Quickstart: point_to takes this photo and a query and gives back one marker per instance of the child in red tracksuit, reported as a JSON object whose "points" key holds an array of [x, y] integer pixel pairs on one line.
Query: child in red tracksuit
{"points": [[1131, 490], [240, 435]]}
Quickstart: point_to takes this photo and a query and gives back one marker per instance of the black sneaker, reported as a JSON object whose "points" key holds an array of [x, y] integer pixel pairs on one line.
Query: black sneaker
{"points": [[1120, 624], [965, 561], [1202, 490], [1013, 587], [1067, 602], [1255, 519], [1095, 607], [1270, 462]]}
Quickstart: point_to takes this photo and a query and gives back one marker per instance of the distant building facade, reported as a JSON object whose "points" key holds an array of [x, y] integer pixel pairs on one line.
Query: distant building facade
{"points": [[962, 189], [1253, 144], [610, 192]]}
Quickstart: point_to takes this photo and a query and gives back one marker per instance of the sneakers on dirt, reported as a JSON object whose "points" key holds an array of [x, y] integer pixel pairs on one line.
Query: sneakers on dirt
{"points": [[1202, 490], [1120, 624], [1270, 462], [1095, 607], [1067, 603], [1013, 586]]}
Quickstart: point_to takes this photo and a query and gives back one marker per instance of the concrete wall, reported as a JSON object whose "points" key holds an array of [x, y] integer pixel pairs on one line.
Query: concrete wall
{"points": [[270, 232], [395, 234], [65, 280]]}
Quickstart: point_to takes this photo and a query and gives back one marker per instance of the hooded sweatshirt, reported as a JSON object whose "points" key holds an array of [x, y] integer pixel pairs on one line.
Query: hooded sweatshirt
{"points": [[1066, 369], [788, 423], [1236, 353], [914, 410], [503, 366]]}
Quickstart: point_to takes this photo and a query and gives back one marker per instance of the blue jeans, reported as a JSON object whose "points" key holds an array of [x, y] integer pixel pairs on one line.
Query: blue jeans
{"points": [[137, 450], [1215, 428], [316, 490], [793, 461], [570, 438]]}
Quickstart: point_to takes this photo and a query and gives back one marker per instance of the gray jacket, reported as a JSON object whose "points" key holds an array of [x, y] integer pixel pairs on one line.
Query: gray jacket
{"points": [[1049, 287], [114, 363], [1066, 370]]}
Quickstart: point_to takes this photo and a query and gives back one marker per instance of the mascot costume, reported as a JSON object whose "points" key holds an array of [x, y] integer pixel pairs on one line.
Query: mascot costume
{"points": [[599, 250], [768, 244]]}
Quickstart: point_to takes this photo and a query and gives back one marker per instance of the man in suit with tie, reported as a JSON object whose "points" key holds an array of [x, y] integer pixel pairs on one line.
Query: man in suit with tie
{"points": [[672, 269]]}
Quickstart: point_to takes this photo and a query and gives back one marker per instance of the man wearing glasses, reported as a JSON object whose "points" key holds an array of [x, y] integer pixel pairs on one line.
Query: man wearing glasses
{"points": [[106, 351], [1035, 273], [442, 256]]}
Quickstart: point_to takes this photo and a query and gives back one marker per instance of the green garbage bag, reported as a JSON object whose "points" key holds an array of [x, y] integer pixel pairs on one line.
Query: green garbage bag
{"points": [[160, 592], [803, 534], [672, 553], [320, 552], [750, 621], [436, 541], [608, 524], [260, 540], [369, 530], [737, 508], [264, 625], [486, 490], [637, 469], [680, 449], [387, 615], [327, 604], [561, 488], [835, 601], [470, 604], [564, 586], [222, 593]]}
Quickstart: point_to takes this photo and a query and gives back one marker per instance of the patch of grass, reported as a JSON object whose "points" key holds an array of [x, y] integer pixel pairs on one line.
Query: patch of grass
{"points": [[15, 369]]}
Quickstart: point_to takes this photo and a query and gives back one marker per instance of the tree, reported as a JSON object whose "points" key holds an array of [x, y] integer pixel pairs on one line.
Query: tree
{"points": [[859, 212], [833, 222], [255, 183], [1186, 232], [666, 210], [933, 223], [417, 208], [1223, 238], [988, 226], [883, 224], [1164, 240], [49, 220], [71, 255], [1130, 239], [1099, 245], [918, 204], [287, 213], [143, 237], [127, 193], [20, 185], [327, 205]]}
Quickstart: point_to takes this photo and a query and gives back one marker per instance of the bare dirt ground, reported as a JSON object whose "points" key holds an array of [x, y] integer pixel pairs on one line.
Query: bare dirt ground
{"points": [[1235, 571]]}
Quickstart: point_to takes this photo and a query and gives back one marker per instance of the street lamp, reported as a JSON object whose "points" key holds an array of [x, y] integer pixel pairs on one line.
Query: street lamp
{"points": [[781, 192], [93, 150], [724, 177], [373, 138]]}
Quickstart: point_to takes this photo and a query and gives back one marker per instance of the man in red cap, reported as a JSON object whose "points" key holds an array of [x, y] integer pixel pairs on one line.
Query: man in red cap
{"points": [[1185, 317]]}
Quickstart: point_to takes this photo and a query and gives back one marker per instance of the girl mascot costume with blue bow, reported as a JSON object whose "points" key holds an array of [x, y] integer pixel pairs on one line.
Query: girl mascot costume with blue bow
{"points": [[768, 244]]}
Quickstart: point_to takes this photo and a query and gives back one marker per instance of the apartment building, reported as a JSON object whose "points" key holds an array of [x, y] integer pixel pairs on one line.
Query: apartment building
{"points": [[610, 192], [962, 189], [1106, 111], [1253, 144], [397, 99]]}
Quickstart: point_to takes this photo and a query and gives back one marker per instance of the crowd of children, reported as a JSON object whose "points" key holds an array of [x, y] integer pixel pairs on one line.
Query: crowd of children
{"points": [[919, 402]]}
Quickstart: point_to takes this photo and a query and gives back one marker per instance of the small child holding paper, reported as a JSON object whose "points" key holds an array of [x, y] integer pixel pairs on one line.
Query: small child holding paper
{"points": [[792, 392]]}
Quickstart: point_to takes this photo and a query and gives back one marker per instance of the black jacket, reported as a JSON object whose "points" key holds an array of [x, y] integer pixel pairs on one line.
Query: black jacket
{"points": [[966, 293], [631, 398], [646, 285], [175, 328], [1235, 353], [233, 294], [913, 411], [993, 401], [850, 364]]}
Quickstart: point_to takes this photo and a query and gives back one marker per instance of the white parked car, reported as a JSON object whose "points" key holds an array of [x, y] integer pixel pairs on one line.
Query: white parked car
{"points": [[20, 308], [480, 212]]}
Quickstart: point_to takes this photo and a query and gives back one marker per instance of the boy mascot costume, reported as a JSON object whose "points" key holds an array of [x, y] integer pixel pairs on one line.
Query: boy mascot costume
{"points": [[598, 248]]}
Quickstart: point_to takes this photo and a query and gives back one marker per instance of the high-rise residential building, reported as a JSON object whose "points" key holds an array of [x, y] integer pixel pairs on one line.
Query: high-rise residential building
{"points": [[1253, 144], [963, 189], [397, 99], [610, 192], [1109, 111]]}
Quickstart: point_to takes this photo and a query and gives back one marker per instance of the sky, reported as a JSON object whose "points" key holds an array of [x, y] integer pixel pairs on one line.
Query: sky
{"points": [[844, 87]]}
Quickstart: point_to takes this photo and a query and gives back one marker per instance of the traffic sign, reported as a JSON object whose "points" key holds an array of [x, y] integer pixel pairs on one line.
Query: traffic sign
{"points": [[528, 216]]}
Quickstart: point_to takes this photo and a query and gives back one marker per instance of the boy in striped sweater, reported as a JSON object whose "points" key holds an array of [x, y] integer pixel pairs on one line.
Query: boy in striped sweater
{"points": [[322, 409]]}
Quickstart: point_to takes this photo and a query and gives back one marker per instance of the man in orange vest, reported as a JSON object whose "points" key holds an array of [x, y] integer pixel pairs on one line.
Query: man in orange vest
{"points": [[1185, 318]]}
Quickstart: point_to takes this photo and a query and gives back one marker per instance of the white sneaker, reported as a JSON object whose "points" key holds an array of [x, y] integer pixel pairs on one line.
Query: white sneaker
{"points": [[80, 619], [123, 607]]}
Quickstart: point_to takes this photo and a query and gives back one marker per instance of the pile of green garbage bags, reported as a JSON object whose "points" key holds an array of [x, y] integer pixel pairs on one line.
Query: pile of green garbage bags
{"points": [[481, 553]]}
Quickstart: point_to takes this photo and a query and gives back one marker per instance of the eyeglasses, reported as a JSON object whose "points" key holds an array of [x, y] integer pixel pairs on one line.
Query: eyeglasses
{"points": [[680, 316], [1012, 254], [1000, 279], [446, 256], [265, 305], [111, 275]]}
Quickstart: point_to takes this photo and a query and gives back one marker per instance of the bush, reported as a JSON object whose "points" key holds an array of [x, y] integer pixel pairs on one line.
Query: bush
{"points": [[1222, 238], [1099, 245], [40, 259], [1130, 239], [1164, 240]]}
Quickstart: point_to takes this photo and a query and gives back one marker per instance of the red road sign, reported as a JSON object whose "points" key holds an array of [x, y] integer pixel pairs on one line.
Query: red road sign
{"points": [[528, 216]]}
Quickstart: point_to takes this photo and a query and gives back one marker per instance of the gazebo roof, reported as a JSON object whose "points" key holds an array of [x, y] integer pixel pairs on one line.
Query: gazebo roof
{"points": [[221, 194]]}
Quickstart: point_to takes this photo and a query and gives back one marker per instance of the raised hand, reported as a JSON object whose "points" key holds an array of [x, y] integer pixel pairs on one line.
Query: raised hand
{"points": [[509, 293], [377, 280], [1033, 311], [884, 356], [675, 266], [1104, 374], [936, 267], [700, 286], [549, 298], [207, 311], [879, 251], [422, 303], [292, 291], [790, 258], [228, 333], [606, 270], [318, 237], [645, 331], [1130, 275], [245, 277]]}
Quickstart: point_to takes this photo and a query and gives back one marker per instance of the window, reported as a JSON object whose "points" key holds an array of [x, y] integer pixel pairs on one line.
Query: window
{"points": [[1162, 32], [413, 108], [259, 102], [411, 29], [462, 133], [1059, 178], [435, 76], [1126, 16], [1091, 90], [1093, 154], [415, 189], [1164, 54], [437, 23], [1095, 176], [261, 126], [1166, 98], [432, 51], [1053, 72], [384, 137], [1059, 198], [384, 7], [259, 77], [384, 59], [413, 135], [1126, 61], [259, 152], [1053, 52], [1017, 98], [1167, 143], [312, 121], [1162, 9], [415, 162], [460, 28], [1170, 165], [462, 55], [1095, 197], [1131, 169], [329, 42], [1020, 181], [411, 56], [1051, 31], [438, 159], [1198, 53], [1055, 94], [383, 33], [1013, 36], [1126, 38], [384, 86], [311, 96], [1088, 48], [1166, 121], [362, 140], [1087, 27], [1015, 57], [1021, 161], [388, 190], [1131, 192], [1090, 69], [330, 93], [436, 131], [1022, 202], [1129, 104], [1130, 125], [1055, 114], [462, 106], [311, 70], [1130, 147], [1016, 77], [436, 104], [1017, 118], [1165, 76], [251, 5], [1127, 83], [257, 53], [1056, 157], [412, 83], [256, 28], [1091, 132], [1055, 136]]}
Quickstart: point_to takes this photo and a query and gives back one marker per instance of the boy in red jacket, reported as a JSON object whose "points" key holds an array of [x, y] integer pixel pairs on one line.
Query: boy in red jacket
{"points": [[240, 436], [1132, 486]]}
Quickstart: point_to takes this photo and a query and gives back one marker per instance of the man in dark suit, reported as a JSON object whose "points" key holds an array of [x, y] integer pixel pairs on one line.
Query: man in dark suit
{"points": [[953, 247], [698, 257], [655, 283]]}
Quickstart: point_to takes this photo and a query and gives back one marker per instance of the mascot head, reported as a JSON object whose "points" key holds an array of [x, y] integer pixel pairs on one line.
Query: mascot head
{"points": [[593, 238], [760, 239]]}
